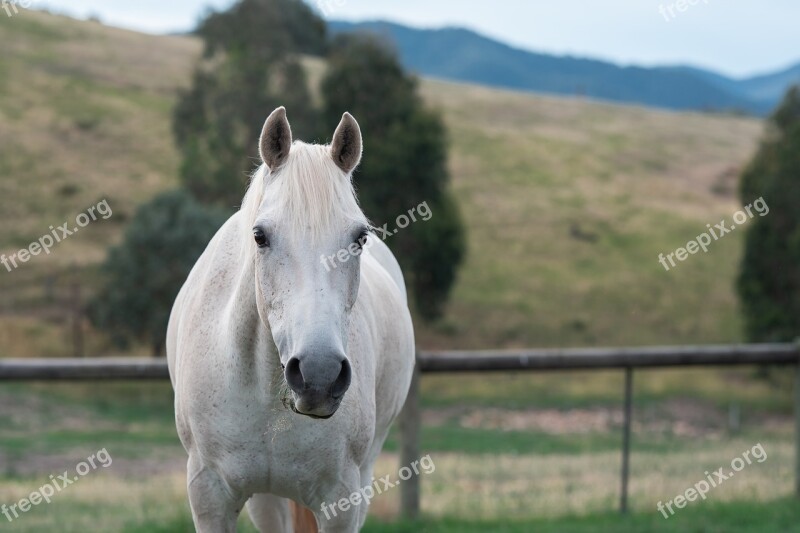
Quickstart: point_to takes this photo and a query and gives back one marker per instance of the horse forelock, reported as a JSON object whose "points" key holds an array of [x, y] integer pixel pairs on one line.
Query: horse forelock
{"points": [[309, 193]]}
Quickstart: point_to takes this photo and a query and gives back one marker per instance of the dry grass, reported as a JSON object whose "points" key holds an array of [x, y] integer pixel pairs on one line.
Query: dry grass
{"points": [[102, 501], [85, 116], [512, 486], [569, 203], [470, 487]]}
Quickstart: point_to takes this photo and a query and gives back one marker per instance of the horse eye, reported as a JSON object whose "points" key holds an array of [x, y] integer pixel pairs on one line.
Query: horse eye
{"points": [[260, 238]]}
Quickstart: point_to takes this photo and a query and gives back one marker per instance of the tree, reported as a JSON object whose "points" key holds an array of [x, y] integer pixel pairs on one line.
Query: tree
{"points": [[769, 277], [250, 66], [405, 162], [145, 272]]}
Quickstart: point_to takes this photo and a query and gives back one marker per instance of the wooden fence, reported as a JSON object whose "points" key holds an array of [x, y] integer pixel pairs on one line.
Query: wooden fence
{"points": [[625, 359]]}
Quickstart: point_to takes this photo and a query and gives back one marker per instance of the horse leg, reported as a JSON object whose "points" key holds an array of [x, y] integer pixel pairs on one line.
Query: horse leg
{"points": [[368, 491], [366, 473], [270, 513], [335, 518], [215, 507]]}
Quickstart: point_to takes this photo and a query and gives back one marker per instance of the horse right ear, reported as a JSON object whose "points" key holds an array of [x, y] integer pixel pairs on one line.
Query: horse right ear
{"points": [[276, 139], [346, 146]]}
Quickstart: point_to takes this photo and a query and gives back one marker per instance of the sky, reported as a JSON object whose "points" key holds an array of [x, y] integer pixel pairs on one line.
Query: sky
{"points": [[735, 37]]}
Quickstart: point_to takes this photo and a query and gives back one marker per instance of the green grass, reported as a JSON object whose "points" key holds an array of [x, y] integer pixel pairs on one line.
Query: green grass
{"points": [[129, 419], [485, 477], [781, 516], [739, 517], [519, 390], [180, 523]]}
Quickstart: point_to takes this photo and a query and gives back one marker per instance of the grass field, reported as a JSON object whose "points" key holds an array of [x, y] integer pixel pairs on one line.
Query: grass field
{"points": [[567, 202], [518, 453], [779, 516]]}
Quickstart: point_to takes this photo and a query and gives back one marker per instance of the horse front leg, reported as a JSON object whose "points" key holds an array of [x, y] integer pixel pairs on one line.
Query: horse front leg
{"points": [[341, 508], [215, 506]]}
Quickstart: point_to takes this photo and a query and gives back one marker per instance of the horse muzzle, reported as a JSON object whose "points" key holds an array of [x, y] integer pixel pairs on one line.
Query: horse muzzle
{"points": [[318, 383]]}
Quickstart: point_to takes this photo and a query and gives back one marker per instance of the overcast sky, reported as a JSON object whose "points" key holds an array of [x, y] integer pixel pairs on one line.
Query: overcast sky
{"points": [[735, 37]]}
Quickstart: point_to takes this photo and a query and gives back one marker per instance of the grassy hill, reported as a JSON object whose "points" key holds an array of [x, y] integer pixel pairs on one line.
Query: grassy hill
{"points": [[568, 202]]}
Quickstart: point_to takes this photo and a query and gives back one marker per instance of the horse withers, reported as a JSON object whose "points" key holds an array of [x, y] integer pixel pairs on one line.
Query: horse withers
{"points": [[287, 372]]}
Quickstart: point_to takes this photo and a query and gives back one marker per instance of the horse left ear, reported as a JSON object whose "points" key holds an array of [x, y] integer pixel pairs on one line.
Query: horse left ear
{"points": [[346, 146], [276, 139]]}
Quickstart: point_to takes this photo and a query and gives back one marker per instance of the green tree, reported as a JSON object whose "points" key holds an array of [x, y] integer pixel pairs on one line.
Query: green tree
{"points": [[405, 162], [142, 275], [250, 66], [769, 278]]}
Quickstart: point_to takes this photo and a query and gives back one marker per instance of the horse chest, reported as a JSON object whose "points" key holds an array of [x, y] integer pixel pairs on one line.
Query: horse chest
{"points": [[261, 446]]}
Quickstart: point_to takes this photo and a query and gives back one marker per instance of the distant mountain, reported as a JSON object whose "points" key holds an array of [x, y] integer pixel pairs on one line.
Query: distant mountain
{"points": [[460, 54], [770, 88]]}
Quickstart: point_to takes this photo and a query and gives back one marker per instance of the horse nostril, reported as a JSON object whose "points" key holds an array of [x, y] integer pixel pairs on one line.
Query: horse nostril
{"points": [[342, 382], [294, 377]]}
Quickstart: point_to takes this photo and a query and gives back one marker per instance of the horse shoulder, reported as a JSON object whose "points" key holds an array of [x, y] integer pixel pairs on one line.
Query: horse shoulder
{"points": [[377, 250], [200, 280]]}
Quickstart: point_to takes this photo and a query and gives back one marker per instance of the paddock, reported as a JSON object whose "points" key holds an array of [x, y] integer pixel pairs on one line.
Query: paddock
{"points": [[460, 365]]}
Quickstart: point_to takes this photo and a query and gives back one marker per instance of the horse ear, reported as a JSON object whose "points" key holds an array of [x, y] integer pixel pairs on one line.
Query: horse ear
{"points": [[346, 146], [276, 139]]}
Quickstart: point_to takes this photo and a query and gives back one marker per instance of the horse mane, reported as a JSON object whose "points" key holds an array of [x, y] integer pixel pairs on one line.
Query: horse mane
{"points": [[308, 191]]}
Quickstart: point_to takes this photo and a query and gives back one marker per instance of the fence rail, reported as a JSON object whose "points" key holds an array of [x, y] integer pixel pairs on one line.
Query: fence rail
{"points": [[71, 369], [609, 358], [625, 359]]}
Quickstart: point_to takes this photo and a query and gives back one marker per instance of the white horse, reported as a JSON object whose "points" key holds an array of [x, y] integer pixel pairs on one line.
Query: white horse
{"points": [[289, 358]]}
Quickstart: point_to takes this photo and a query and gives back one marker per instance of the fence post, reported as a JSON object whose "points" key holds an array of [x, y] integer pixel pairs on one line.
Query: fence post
{"points": [[626, 440], [77, 320], [410, 448]]}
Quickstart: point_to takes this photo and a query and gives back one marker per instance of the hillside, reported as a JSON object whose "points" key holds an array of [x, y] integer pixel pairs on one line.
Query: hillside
{"points": [[84, 116], [463, 55], [568, 202]]}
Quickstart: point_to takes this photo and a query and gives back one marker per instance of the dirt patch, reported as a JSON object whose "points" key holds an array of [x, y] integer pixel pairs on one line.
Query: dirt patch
{"points": [[552, 421], [679, 417]]}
